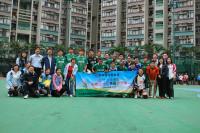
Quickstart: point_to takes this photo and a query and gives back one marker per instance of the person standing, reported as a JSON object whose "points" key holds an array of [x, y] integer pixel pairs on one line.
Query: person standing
{"points": [[22, 60], [92, 60], [70, 55], [60, 61], [49, 61], [70, 73], [171, 78], [36, 61], [152, 72], [81, 61], [160, 79]]}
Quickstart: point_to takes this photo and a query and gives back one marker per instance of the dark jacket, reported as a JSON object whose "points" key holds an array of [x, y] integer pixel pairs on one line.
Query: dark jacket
{"points": [[28, 77], [46, 64]]}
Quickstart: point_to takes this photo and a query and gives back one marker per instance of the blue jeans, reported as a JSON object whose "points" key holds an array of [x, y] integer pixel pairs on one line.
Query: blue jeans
{"points": [[70, 86]]}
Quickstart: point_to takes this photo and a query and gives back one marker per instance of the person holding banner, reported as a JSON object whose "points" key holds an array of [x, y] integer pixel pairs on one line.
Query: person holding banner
{"points": [[122, 66], [113, 66], [100, 67], [139, 85], [69, 73]]}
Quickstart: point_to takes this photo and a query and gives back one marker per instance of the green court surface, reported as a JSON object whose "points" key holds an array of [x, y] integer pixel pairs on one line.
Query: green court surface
{"points": [[101, 115]]}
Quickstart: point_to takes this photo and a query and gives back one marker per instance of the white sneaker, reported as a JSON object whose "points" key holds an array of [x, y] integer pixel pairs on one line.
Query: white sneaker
{"points": [[26, 96], [154, 96], [135, 97], [70, 96]]}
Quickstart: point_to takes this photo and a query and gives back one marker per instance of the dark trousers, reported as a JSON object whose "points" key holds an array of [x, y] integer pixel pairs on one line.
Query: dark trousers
{"points": [[13, 92], [164, 85], [70, 86], [45, 91], [160, 87], [170, 88], [38, 71], [55, 93], [31, 90]]}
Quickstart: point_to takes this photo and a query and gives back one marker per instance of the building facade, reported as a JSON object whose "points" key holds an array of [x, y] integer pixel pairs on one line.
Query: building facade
{"points": [[101, 24]]}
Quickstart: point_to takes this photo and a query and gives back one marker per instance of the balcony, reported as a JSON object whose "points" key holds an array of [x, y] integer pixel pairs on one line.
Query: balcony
{"points": [[108, 38], [183, 33], [49, 32], [139, 36], [5, 26], [23, 25], [48, 43], [3, 39], [82, 37]]}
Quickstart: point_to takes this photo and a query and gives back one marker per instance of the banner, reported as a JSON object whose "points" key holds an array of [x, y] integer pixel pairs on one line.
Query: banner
{"points": [[105, 83]]}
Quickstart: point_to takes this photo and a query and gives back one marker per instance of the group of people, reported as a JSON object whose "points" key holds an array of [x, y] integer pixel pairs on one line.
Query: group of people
{"points": [[51, 75]]}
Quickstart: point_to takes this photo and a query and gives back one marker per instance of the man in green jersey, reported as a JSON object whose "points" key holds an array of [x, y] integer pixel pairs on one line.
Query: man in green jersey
{"points": [[107, 60], [70, 55], [81, 61], [60, 60], [100, 67]]}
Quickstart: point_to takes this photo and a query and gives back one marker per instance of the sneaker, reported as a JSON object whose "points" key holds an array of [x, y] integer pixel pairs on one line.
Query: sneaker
{"points": [[26, 96], [9, 95], [49, 95], [135, 97], [70, 96], [154, 97]]}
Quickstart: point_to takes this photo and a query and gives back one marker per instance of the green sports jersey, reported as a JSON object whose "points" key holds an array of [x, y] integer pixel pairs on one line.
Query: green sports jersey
{"points": [[60, 62], [144, 66], [100, 68], [107, 61], [81, 61], [69, 57]]}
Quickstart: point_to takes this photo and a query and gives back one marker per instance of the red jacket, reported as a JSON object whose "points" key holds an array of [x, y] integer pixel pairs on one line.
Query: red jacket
{"points": [[152, 72]]}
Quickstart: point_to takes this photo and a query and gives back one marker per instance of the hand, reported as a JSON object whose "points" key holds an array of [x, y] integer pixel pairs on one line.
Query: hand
{"points": [[47, 86], [30, 82], [159, 76]]}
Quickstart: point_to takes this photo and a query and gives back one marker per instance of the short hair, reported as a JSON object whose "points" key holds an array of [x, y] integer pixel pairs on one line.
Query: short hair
{"points": [[15, 66], [37, 47], [31, 66], [73, 59], [60, 50], [57, 69]]}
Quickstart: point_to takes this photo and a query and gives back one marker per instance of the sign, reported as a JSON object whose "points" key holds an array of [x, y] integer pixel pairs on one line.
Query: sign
{"points": [[105, 83]]}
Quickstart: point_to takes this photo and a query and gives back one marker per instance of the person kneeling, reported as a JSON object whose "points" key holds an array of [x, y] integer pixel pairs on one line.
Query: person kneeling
{"points": [[139, 85], [30, 85], [13, 81], [57, 80], [45, 83]]}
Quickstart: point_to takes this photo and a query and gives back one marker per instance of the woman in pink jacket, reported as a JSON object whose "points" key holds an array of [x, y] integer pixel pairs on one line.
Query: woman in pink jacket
{"points": [[57, 80]]}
